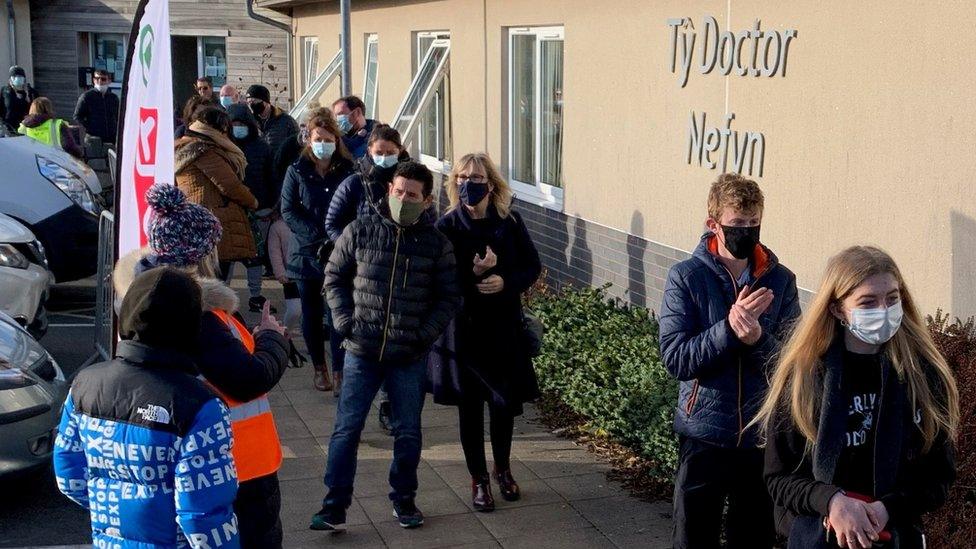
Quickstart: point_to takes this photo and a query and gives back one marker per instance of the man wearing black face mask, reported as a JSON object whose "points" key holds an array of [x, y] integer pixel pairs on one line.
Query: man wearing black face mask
{"points": [[724, 314], [277, 126]]}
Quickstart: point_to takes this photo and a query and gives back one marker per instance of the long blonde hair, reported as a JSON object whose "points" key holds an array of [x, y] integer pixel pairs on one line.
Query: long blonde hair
{"points": [[501, 194], [793, 390]]}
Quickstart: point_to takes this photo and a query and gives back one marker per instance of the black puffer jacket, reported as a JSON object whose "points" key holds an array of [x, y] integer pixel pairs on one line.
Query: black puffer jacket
{"points": [[258, 173], [278, 128], [392, 290]]}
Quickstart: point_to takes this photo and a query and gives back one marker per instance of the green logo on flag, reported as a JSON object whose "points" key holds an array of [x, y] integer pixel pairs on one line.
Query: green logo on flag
{"points": [[146, 39]]}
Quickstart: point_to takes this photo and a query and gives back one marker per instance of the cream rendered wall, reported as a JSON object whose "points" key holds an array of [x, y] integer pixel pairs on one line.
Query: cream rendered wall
{"points": [[868, 137]]}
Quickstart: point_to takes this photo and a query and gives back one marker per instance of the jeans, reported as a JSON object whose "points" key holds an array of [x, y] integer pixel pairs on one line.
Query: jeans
{"points": [[707, 475], [313, 314], [255, 270], [361, 380], [335, 344]]}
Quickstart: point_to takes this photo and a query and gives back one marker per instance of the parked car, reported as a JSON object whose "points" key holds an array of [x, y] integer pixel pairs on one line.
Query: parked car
{"points": [[32, 392], [57, 198], [25, 281]]}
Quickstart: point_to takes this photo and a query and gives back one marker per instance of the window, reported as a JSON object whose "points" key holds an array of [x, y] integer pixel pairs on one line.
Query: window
{"points": [[432, 136], [108, 54], [535, 110], [317, 87], [431, 76], [369, 79], [212, 59], [310, 61]]}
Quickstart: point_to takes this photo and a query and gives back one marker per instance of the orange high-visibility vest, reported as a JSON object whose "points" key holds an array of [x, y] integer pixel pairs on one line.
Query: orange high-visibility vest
{"points": [[257, 450]]}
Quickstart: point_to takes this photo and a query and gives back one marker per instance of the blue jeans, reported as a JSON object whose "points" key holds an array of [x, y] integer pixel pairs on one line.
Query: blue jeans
{"points": [[362, 378]]}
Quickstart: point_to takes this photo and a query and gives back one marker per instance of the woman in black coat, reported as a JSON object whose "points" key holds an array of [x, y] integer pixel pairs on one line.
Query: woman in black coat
{"points": [[482, 357]]}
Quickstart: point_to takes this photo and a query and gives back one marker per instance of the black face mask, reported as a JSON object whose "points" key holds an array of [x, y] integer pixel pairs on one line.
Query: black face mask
{"points": [[741, 241], [257, 107]]}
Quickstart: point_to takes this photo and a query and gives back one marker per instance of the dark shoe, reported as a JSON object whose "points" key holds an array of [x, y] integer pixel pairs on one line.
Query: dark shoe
{"points": [[507, 485], [320, 379], [329, 518], [255, 304], [407, 513], [481, 494], [386, 422]]}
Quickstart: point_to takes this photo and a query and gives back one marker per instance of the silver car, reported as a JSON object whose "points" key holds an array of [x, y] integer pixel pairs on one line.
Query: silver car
{"points": [[32, 392]]}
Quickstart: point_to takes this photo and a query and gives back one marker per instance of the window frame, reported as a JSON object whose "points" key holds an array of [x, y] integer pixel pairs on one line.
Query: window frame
{"points": [[441, 104], [372, 44], [308, 72], [116, 85], [543, 194]]}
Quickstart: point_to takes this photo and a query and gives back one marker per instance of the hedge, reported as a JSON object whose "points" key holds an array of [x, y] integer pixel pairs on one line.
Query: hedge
{"points": [[601, 358]]}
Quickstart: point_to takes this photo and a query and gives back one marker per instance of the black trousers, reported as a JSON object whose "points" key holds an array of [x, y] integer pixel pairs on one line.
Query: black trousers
{"points": [[471, 419], [708, 477], [258, 509]]}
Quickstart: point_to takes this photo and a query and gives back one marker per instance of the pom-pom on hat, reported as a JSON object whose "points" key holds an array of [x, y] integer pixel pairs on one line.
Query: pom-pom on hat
{"points": [[181, 233]]}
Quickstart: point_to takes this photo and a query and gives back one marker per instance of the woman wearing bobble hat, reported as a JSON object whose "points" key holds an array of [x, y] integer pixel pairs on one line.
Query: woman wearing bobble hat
{"points": [[240, 365]]}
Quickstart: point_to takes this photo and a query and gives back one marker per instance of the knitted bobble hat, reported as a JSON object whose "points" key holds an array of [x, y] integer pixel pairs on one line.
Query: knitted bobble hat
{"points": [[181, 233]]}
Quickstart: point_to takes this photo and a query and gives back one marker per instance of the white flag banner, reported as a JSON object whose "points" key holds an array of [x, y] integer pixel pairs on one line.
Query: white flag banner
{"points": [[147, 131]]}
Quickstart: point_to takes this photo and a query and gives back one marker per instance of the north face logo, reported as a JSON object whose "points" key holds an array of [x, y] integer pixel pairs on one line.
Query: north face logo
{"points": [[154, 413]]}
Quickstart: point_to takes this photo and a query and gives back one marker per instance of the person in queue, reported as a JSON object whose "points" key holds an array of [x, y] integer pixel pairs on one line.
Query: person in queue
{"points": [[306, 193], [350, 113], [391, 283], [724, 314], [497, 263], [861, 414], [43, 126], [239, 364]]}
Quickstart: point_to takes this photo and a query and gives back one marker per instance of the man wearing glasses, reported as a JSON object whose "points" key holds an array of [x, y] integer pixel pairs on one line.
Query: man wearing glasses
{"points": [[98, 109], [205, 87]]}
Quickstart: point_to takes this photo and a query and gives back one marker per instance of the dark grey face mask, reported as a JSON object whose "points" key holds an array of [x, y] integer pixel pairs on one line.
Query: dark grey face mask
{"points": [[741, 241]]}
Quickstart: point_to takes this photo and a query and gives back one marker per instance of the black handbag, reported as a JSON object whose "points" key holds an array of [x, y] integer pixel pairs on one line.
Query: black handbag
{"points": [[532, 330]]}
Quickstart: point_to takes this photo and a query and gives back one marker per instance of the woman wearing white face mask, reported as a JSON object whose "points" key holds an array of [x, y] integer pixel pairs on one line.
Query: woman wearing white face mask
{"points": [[305, 196], [861, 414]]}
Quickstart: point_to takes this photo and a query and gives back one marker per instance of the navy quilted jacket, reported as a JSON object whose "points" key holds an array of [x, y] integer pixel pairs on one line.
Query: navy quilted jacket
{"points": [[723, 381]]}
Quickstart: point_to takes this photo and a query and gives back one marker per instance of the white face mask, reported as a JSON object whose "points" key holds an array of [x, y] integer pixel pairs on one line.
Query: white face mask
{"points": [[101, 87], [876, 326]]}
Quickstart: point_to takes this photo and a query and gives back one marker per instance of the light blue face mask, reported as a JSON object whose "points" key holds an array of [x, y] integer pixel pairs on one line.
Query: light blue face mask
{"points": [[226, 101], [323, 150], [240, 132], [387, 161], [344, 123], [18, 81]]}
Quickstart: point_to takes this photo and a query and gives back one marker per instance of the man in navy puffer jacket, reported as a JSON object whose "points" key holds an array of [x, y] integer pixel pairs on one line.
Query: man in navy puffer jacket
{"points": [[725, 312], [143, 444]]}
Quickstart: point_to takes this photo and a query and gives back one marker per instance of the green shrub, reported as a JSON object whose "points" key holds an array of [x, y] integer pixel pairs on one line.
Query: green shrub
{"points": [[602, 358]]}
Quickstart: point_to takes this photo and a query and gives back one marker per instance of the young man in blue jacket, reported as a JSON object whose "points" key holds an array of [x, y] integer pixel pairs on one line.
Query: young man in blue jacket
{"points": [[725, 312], [143, 444]]}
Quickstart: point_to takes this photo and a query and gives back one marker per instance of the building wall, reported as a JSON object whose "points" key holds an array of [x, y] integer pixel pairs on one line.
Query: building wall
{"points": [[56, 25], [866, 136], [22, 55]]}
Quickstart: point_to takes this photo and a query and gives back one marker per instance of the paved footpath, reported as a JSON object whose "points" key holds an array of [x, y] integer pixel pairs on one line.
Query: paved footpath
{"points": [[567, 500]]}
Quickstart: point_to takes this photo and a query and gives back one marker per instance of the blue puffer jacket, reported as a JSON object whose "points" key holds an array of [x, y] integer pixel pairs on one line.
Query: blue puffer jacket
{"points": [[146, 447], [358, 196], [723, 381]]}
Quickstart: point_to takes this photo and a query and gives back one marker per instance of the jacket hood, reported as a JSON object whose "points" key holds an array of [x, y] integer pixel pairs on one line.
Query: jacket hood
{"points": [[162, 310], [35, 120], [201, 139], [762, 261], [240, 113]]}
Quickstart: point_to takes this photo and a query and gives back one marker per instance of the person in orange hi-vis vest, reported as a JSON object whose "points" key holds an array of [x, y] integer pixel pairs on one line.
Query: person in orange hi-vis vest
{"points": [[241, 366]]}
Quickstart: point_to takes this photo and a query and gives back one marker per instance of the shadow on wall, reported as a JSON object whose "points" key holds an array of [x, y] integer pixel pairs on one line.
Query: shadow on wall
{"points": [[580, 255], [636, 247], [963, 229]]}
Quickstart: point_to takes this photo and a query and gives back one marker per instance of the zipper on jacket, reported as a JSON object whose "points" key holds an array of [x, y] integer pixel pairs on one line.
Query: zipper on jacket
{"points": [[389, 300], [877, 423], [406, 271], [692, 398]]}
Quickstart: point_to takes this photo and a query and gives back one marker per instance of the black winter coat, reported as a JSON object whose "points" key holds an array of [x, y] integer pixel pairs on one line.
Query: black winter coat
{"points": [[284, 156], [305, 199], [15, 105], [484, 351], [908, 482], [278, 128], [358, 196], [99, 114], [392, 290], [258, 173]]}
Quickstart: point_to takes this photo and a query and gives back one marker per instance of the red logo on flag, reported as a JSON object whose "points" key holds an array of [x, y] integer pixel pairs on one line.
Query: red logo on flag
{"points": [[145, 166]]}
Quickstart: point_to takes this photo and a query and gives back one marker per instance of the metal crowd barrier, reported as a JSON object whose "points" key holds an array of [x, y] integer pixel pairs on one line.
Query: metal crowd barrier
{"points": [[104, 290]]}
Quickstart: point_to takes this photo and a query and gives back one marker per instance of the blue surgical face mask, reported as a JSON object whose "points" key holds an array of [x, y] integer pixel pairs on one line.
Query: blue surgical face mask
{"points": [[344, 123], [240, 132], [385, 161], [323, 150], [18, 81], [226, 101]]}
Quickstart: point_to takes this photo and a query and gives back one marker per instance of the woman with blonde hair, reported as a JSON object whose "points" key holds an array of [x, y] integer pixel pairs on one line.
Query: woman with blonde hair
{"points": [[861, 414], [483, 357]]}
